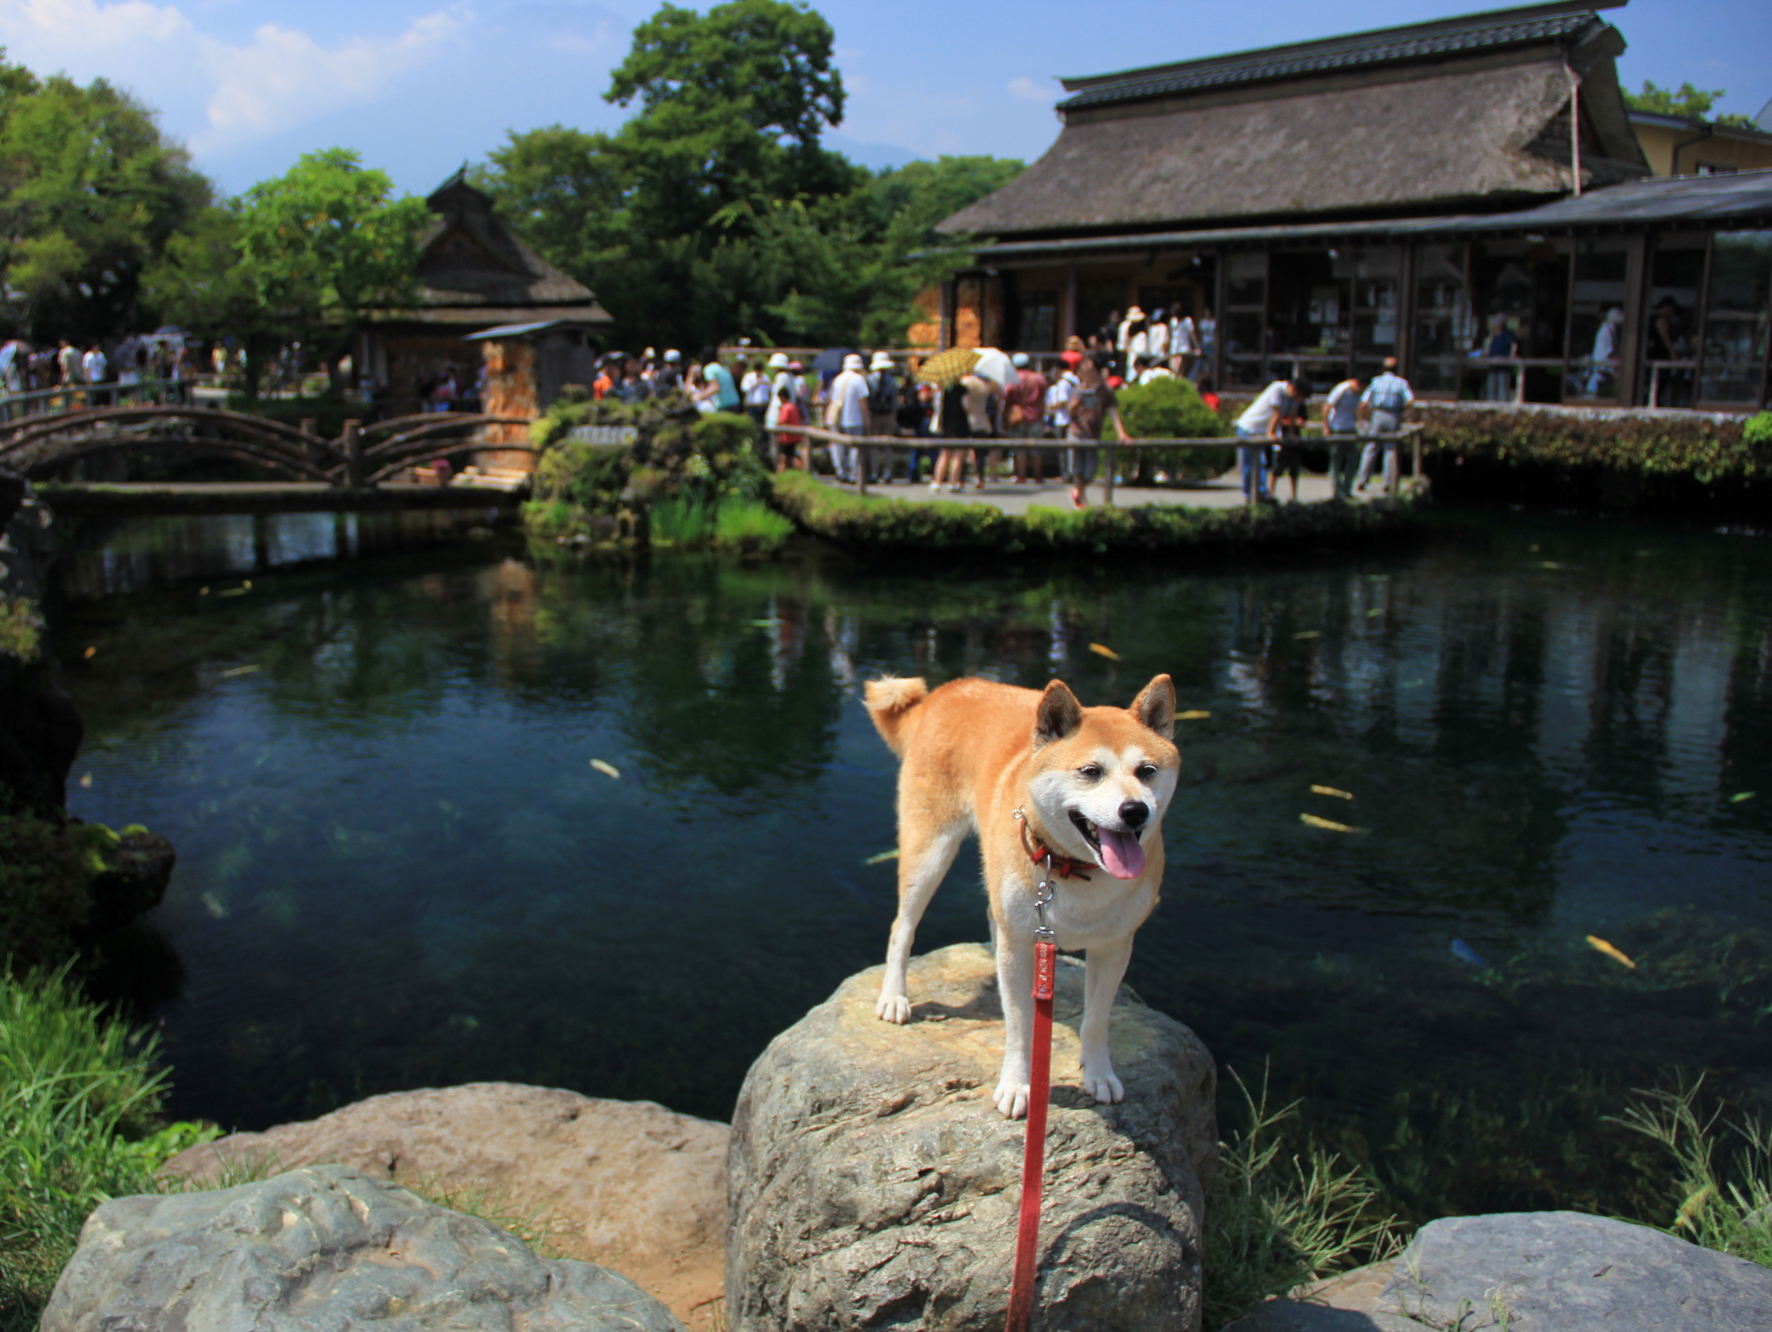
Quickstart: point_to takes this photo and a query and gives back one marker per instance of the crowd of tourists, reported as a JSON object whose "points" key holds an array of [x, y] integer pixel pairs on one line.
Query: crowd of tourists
{"points": [[67, 375]]}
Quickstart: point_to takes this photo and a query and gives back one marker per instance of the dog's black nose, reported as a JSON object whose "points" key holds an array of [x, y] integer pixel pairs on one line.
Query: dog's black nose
{"points": [[1134, 813]]}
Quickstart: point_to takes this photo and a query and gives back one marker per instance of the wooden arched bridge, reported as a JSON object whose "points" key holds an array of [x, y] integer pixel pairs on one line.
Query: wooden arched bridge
{"points": [[361, 458]]}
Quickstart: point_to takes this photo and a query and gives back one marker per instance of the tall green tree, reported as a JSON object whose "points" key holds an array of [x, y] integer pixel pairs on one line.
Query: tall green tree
{"points": [[1686, 100], [90, 193], [716, 211]]}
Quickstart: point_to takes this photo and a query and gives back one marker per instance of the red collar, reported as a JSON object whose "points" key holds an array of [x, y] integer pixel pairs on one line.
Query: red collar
{"points": [[1062, 866]]}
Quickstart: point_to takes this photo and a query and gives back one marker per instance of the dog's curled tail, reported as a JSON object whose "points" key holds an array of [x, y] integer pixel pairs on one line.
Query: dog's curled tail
{"points": [[891, 703]]}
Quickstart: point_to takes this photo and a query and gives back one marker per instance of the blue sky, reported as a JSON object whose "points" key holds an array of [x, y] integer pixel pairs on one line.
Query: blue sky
{"points": [[419, 86]]}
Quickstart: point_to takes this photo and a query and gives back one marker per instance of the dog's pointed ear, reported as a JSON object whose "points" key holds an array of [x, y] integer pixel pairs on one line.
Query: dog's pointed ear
{"points": [[1058, 715], [1155, 706]]}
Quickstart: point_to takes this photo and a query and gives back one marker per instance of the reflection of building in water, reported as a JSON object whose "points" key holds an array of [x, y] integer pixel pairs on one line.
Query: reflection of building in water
{"points": [[1390, 193], [510, 591]]}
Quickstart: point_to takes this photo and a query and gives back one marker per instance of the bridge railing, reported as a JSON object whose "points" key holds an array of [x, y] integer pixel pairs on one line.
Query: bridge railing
{"points": [[79, 397]]}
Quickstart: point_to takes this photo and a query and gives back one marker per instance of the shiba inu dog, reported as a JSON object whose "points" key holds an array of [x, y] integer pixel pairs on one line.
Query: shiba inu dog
{"points": [[1042, 780]]}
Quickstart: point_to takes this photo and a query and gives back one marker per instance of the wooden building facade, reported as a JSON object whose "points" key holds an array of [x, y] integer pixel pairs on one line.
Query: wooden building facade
{"points": [[474, 276], [1410, 192]]}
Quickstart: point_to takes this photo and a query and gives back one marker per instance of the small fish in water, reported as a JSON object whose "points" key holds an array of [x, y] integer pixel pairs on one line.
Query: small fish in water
{"points": [[1309, 633], [607, 769], [1600, 945], [1465, 953], [1331, 791], [240, 591], [1549, 564], [1193, 714], [202, 591], [239, 670], [1376, 610], [214, 906], [882, 856], [1102, 650], [1313, 821], [1739, 796], [90, 653], [86, 781]]}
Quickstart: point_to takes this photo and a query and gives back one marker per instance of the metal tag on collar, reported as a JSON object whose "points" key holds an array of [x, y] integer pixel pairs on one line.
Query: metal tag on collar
{"points": [[1047, 889]]}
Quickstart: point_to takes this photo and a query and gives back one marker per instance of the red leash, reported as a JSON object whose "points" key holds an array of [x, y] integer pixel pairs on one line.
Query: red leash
{"points": [[1033, 1159]]}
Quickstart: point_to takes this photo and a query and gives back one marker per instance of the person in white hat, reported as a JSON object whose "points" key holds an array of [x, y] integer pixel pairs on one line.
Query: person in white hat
{"points": [[846, 411], [670, 374], [778, 367], [883, 399]]}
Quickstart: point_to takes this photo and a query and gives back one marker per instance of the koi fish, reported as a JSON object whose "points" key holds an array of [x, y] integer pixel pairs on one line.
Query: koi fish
{"points": [[1101, 650], [607, 769], [1600, 945], [1331, 791], [882, 856], [1193, 714], [1313, 821], [238, 670]]}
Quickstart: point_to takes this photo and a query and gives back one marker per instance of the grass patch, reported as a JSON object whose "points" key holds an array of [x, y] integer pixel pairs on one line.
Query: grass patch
{"points": [[80, 1096], [682, 520], [1723, 1170], [1275, 1222], [748, 524], [876, 521]]}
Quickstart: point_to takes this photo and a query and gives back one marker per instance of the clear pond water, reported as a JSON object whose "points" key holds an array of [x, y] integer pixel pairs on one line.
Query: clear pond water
{"points": [[398, 866]]}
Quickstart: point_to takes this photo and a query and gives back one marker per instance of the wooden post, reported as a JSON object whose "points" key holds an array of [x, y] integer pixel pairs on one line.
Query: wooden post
{"points": [[1415, 440], [309, 428], [859, 461], [1107, 476], [353, 451]]}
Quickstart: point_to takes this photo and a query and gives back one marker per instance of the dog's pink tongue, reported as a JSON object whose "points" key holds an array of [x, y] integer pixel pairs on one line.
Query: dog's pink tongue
{"points": [[1121, 853]]}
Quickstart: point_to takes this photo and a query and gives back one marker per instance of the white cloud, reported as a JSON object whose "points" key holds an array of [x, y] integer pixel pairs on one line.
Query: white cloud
{"points": [[218, 93], [1033, 90]]}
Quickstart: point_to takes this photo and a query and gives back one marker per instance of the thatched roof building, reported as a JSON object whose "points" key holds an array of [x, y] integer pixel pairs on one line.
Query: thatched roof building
{"points": [[1461, 113], [1467, 195], [474, 274]]}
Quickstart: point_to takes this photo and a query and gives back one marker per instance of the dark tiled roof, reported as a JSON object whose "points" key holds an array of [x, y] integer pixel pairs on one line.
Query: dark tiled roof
{"points": [[1473, 35]]}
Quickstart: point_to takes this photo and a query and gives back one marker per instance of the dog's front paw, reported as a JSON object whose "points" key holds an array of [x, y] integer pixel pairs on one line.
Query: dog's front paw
{"points": [[1012, 1099], [893, 1008], [1104, 1087]]}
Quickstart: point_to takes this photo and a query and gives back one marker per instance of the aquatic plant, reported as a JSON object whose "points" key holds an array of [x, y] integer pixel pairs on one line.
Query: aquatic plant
{"points": [[1276, 1221], [43, 890], [1723, 1169]]}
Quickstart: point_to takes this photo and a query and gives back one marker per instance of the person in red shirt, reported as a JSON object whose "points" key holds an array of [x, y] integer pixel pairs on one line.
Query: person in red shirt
{"points": [[788, 414], [1024, 416]]}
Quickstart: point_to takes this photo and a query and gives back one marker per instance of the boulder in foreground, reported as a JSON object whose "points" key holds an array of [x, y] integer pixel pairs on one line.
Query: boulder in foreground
{"points": [[326, 1248], [627, 1184], [1568, 1272], [874, 1185]]}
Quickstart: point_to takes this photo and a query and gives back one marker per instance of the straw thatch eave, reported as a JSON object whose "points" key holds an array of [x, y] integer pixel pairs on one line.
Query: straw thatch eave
{"points": [[1445, 136]]}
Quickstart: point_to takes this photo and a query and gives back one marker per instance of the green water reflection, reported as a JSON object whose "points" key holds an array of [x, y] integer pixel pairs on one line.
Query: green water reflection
{"points": [[398, 867]]}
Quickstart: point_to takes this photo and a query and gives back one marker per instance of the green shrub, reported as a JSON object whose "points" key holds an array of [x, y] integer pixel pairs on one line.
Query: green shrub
{"points": [[1691, 444], [750, 525], [876, 522], [44, 873], [79, 1101], [1274, 1223], [1723, 1182], [21, 628], [1757, 429], [1170, 408], [679, 460]]}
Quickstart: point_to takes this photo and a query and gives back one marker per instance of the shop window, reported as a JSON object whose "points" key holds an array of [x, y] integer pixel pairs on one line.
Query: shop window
{"points": [[1036, 325], [1099, 307], [1375, 273], [1445, 329], [1669, 324], [1596, 320], [1308, 316], [1736, 315], [1245, 316], [1522, 297]]}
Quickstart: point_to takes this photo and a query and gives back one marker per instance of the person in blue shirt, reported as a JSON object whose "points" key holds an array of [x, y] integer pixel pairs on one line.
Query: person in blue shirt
{"points": [[1382, 406], [726, 397]]}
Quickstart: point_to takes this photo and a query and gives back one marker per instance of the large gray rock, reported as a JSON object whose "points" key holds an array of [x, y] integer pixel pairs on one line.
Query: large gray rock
{"points": [[874, 1185], [326, 1249], [1566, 1272], [626, 1184]]}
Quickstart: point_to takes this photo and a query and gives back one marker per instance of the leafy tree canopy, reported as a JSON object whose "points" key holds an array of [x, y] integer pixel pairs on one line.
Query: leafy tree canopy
{"points": [[90, 193], [715, 211], [1692, 103]]}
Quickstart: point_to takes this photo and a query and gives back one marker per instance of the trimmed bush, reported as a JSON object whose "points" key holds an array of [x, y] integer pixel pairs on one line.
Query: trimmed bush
{"points": [[1170, 408], [876, 522], [1706, 448]]}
